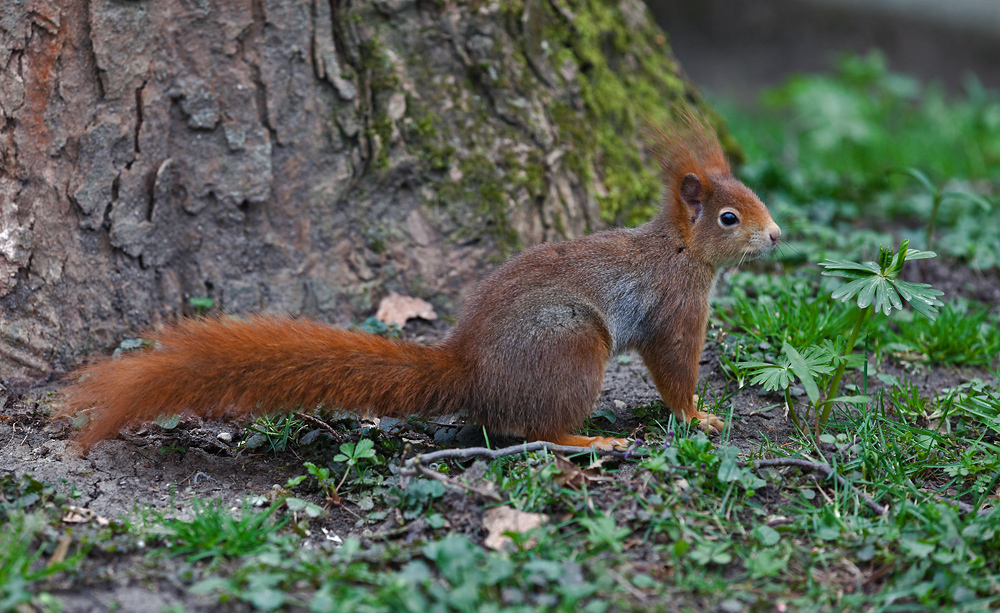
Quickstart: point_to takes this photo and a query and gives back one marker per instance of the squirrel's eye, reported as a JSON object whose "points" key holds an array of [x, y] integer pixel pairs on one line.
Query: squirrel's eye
{"points": [[729, 219]]}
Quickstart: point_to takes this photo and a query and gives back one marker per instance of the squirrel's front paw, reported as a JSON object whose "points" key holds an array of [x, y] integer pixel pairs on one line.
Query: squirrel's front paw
{"points": [[710, 423]]}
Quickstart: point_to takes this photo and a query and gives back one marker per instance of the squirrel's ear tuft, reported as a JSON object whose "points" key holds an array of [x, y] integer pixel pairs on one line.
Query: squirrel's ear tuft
{"points": [[688, 145], [690, 156], [692, 193]]}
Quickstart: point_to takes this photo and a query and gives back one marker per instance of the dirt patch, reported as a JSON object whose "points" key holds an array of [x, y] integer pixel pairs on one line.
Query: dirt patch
{"points": [[955, 279]]}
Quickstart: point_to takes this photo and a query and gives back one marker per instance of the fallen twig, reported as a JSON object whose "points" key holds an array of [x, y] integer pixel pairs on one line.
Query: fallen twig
{"points": [[880, 573], [627, 586], [963, 507], [827, 471], [433, 474], [444, 425], [319, 422], [484, 453]]}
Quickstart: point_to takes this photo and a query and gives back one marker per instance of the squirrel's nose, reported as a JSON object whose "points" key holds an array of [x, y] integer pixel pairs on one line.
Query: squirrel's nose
{"points": [[775, 234]]}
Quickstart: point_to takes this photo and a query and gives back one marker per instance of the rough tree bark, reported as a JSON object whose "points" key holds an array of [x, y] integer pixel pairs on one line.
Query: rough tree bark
{"points": [[302, 156]]}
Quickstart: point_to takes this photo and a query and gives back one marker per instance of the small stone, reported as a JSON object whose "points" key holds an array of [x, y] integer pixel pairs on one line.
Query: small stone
{"points": [[445, 436], [310, 437], [731, 605], [225, 437], [387, 424], [621, 405]]}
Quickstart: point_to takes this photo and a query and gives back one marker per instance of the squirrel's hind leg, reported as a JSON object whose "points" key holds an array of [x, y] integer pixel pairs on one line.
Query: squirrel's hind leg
{"points": [[544, 384]]}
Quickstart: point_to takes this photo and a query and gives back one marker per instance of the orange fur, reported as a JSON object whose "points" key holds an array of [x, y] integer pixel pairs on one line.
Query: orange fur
{"points": [[527, 356], [228, 366]]}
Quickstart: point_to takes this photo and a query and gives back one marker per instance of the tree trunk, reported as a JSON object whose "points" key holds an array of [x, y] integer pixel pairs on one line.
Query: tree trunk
{"points": [[302, 156]]}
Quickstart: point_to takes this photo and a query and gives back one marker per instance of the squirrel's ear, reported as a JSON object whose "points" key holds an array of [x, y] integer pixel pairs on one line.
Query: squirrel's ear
{"points": [[692, 192]]}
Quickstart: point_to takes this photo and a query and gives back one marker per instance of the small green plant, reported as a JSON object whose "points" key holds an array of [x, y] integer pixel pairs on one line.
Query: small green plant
{"points": [[326, 482], [603, 533], [418, 497], [24, 493], [939, 195], [200, 303], [214, 532], [778, 376], [275, 431], [350, 454], [878, 288], [375, 326]]}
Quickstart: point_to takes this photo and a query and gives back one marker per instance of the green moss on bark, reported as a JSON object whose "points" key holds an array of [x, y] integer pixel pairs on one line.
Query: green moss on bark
{"points": [[483, 187], [426, 142], [379, 82], [626, 75]]}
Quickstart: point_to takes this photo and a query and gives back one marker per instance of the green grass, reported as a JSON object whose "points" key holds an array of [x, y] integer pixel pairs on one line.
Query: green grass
{"points": [[966, 333], [797, 308], [273, 432], [215, 531], [687, 523], [22, 564], [794, 314], [450, 574]]}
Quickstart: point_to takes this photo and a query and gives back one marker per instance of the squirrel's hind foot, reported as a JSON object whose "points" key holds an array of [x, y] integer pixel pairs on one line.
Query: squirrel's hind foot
{"points": [[604, 443]]}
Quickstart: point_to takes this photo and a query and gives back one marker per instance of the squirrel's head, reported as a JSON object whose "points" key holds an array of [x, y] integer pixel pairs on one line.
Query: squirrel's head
{"points": [[719, 220]]}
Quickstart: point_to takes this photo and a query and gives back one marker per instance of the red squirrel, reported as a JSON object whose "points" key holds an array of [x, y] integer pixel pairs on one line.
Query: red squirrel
{"points": [[528, 354]]}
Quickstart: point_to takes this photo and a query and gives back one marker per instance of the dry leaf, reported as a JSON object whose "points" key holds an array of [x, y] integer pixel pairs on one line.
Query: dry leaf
{"points": [[396, 309], [499, 520], [572, 476], [596, 464], [80, 515]]}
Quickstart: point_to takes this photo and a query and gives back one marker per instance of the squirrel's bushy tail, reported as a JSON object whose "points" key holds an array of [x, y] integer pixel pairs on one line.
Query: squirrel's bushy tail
{"points": [[264, 364]]}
